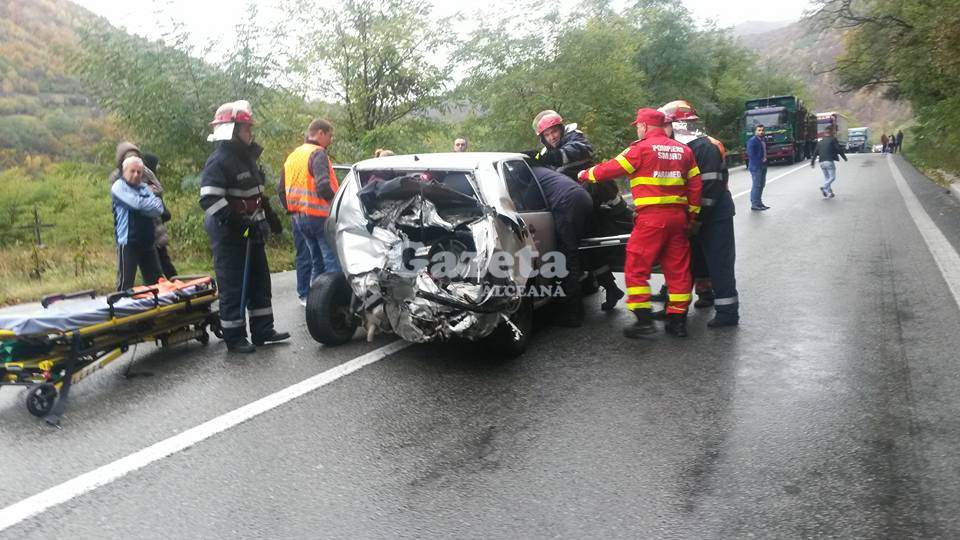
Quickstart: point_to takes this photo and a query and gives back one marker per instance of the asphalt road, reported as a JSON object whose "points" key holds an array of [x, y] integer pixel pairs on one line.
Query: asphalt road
{"points": [[831, 412]]}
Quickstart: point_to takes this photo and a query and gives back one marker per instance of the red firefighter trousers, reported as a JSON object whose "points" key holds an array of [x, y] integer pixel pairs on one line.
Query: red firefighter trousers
{"points": [[659, 234]]}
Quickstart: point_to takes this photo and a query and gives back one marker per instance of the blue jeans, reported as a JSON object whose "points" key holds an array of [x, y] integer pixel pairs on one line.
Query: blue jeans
{"points": [[303, 261], [322, 257], [759, 177], [829, 169]]}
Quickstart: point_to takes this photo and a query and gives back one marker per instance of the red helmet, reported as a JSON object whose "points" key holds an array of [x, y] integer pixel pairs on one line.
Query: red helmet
{"points": [[678, 111], [546, 120], [237, 112]]}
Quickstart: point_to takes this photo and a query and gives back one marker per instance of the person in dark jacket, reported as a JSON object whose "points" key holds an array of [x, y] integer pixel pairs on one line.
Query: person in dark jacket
{"points": [[127, 149], [757, 165], [568, 151], [237, 218], [899, 139], [572, 210], [827, 150], [713, 246], [135, 206]]}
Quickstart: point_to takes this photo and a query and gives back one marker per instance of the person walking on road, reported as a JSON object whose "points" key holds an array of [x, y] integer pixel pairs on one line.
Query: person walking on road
{"points": [[308, 183], [827, 150], [237, 219], [883, 143], [899, 139], [665, 182], [757, 165], [135, 206]]}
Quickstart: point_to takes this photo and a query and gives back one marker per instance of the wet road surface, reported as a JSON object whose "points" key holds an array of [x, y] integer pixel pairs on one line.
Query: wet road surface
{"points": [[831, 412]]}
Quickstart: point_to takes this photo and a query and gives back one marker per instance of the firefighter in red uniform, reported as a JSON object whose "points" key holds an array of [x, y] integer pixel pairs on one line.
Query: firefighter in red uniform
{"points": [[665, 183]]}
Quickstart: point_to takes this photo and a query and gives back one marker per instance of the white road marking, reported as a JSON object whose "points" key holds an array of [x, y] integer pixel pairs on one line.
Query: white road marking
{"points": [[85, 483], [943, 253], [774, 179]]}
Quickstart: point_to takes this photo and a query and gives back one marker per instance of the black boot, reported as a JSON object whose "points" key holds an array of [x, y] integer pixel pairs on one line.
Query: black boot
{"points": [[613, 293], [721, 320], [704, 299], [240, 346], [643, 325], [676, 324], [271, 337]]}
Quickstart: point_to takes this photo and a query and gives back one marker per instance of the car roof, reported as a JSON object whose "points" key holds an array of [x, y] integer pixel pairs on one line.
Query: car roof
{"points": [[444, 160]]}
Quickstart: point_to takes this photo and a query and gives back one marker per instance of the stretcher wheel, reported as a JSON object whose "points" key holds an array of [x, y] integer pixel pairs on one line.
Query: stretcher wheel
{"points": [[329, 318], [40, 399]]}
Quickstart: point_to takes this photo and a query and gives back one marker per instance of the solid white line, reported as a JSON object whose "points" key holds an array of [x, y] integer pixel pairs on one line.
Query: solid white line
{"points": [[943, 253], [774, 179], [96, 478]]}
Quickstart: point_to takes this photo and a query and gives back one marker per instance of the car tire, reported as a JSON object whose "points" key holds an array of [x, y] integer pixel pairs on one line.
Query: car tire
{"points": [[329, 317], [502, 341]]}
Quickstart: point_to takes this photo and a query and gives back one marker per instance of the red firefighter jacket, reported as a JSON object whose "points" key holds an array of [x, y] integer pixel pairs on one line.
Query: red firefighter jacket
{"points": [[662, 172]]}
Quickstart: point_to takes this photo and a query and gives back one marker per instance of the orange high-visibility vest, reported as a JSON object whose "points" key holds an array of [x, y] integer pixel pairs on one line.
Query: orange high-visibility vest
{"points": [[301, 187]]}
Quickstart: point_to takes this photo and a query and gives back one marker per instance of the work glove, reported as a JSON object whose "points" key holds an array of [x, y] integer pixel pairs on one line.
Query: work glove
{"points": [[552, 157], [273, 220], [532, 154]]}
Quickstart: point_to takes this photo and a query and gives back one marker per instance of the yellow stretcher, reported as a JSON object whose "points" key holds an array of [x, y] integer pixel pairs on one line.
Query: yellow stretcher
{"points": [[50, 349]]}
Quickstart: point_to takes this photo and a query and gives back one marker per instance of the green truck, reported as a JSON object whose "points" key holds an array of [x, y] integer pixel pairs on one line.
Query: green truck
{"points": [[790, 130]]}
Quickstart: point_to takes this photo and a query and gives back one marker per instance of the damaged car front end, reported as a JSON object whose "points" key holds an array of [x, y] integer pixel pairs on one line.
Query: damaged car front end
{"points": [[428, 249]]}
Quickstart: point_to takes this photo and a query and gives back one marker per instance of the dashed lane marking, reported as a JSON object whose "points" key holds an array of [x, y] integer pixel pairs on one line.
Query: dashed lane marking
{"points": [[85, 483]]}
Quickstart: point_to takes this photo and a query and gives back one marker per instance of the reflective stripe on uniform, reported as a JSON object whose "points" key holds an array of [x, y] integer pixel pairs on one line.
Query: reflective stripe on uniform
{"points": [[638, 290], [711, 176], [215, 207], [601, 270], [232, 324], [654, 181], [639, 305], [261, 312], [680, 297], [590, 175], [211, 190], [670, 199], [726, 301], [693, 172], [244, 193], [695, 209], [625, 164]]}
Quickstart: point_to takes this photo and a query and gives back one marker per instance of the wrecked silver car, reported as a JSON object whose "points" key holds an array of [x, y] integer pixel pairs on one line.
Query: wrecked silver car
{"points": [[437, 246]]}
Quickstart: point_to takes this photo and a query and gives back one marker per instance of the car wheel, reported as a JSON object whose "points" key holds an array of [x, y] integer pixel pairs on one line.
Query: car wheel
{"points": [[329, 317], [504, 342]]}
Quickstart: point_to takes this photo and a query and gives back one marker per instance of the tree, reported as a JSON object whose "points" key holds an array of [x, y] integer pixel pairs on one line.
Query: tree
{"points": [[377, 59]]}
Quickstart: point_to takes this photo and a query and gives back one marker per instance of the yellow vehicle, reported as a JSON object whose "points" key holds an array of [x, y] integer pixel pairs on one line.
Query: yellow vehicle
{"points": [[68, 339]]}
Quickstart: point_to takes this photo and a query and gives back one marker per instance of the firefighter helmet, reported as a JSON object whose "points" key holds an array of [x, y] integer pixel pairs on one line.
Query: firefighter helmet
{"points": [[679, 111], [227, 117], [236, 111], [546, 120]]}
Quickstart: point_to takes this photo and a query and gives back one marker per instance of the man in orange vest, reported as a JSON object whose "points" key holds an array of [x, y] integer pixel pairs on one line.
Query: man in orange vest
{"points": [[306, 188], [665, 183]]}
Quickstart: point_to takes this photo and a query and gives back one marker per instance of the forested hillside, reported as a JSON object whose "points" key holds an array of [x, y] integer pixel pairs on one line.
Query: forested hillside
{"points": [[45, 113], [808, 49]]}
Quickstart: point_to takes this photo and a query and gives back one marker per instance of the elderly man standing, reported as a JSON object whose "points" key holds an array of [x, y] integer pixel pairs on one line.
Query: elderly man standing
{"points": [[134, 208]]}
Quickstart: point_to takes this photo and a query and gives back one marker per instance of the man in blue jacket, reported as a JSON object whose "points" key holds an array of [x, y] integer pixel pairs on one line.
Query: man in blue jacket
{"points": [[757, 165], [134, 208]]}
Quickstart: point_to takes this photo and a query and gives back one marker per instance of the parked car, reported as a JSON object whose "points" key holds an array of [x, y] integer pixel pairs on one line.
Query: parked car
{"points": [[423, 241]]}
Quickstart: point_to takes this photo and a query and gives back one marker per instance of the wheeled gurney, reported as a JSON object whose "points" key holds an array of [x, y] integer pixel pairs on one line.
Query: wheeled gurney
{"points": [[50, 349]]}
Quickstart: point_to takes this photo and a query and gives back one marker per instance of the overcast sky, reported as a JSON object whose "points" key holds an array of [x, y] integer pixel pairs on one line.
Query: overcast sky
{"points": [[209, 20]]}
